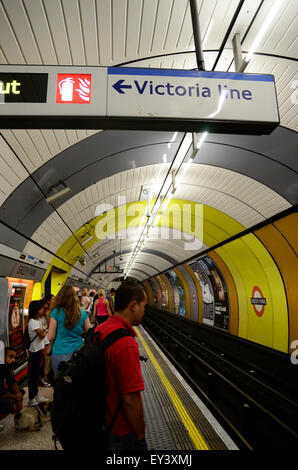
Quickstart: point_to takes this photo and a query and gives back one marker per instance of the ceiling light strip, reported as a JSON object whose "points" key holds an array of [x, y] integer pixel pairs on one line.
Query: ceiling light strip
{"points": [[159, 205]]}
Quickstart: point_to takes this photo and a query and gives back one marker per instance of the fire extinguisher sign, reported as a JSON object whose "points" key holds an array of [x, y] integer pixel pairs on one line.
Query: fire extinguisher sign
{"points": [[73, 88]]}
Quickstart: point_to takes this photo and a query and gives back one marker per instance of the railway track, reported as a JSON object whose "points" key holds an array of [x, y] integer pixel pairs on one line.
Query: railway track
{"points": [[259, 413]]}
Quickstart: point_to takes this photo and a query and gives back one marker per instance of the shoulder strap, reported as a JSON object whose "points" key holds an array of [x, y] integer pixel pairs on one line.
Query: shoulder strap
{"points": [[31, 340], [114, 336]]}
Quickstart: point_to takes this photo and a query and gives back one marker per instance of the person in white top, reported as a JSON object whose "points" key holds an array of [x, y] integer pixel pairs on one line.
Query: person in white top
{"points": [[45, 380], [37, 335], [85, 301]]}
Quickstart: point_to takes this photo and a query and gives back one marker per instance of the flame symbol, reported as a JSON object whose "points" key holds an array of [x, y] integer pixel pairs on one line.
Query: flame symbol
{"points": [[84, 89]]}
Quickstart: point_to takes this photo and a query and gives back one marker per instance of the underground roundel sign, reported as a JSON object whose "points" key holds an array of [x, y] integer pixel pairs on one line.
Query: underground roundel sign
{"points": [[73, 88], [258, 301]]}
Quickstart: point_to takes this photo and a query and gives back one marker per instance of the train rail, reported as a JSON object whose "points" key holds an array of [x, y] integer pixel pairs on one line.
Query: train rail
{"points": [[259, 413]]}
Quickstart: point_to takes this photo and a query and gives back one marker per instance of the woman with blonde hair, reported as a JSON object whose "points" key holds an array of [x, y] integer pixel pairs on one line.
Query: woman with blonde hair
{"points": [[68, 321], [101, 309], [85, 301]]}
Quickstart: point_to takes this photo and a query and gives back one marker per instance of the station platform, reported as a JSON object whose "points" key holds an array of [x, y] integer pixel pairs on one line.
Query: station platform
{"points": [[176, 419]]}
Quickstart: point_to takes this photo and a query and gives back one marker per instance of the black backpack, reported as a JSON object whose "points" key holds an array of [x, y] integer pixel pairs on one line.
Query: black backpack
{"points": [[79, 403]]}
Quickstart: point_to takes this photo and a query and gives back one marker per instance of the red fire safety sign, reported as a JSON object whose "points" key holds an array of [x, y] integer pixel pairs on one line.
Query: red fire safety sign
{"points": [[73, 88]]}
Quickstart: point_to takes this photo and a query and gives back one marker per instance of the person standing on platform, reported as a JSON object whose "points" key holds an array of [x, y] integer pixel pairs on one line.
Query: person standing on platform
{"points": [[90, 313], [123, 370], [37, 334], [11, 396], [45, 380], [101, 309], [68, 321], [111, 299], [85, 301]]}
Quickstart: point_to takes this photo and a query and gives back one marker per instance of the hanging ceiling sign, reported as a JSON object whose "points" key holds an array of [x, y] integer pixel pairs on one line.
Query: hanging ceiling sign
{"points": [[137, 98]]}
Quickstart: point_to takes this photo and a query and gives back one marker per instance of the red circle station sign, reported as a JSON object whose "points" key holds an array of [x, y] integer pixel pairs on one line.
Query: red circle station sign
{"points": [[258, 301]]}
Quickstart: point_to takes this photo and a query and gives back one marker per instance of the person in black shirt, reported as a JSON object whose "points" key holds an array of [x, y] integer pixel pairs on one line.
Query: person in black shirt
{"points": [[111, 299], [11, 397]]}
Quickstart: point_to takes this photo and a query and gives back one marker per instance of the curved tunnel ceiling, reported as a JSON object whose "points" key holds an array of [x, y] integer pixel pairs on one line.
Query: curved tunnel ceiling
{"points": [[268, 159], [246, 178], [243, 182]]}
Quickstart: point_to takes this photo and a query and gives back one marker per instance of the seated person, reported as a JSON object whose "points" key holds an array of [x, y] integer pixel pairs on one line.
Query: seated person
{"points": [[11, 397]]}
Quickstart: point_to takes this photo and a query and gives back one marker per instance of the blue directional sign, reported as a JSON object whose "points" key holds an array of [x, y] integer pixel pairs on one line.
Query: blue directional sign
{"points": [[215, 101]]}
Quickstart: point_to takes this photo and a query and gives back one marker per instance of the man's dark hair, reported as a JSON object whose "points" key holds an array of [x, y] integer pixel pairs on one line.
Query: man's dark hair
{"points": [[34, 306], [112, 290], [127, 292]]}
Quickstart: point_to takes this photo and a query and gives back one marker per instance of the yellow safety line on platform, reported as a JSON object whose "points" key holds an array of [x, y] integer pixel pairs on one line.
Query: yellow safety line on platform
{"points": [[196, 437]]}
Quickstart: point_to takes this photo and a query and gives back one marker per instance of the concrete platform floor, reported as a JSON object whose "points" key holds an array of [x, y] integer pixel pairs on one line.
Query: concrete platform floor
{"points": [[11, 439]]}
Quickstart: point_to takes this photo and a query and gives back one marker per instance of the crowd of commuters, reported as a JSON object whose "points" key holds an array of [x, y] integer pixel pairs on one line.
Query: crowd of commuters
{"points": [[56, 326]]}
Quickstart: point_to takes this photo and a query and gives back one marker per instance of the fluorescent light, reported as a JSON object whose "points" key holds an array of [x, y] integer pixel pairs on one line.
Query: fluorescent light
{"points": [[172, 140], [167, 203], [269, 18], [57, 195], [202, 139], [182, 150], [88, 240], [168, 183]]}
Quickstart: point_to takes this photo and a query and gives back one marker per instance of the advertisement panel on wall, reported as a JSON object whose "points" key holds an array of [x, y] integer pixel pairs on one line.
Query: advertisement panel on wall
{"points": [[216, 311], [158, 292], [154, 292], [179, 293], [15, 321], [174, 294], [3, 315], [164, 293]]}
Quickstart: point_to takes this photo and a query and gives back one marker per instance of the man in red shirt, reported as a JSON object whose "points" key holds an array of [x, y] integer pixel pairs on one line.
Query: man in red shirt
{"points": [[124, 377]]}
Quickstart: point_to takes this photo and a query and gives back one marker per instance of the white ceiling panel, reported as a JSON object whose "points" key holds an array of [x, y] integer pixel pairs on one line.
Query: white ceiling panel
{"points": [[134, 14], [19, 25], [10, 50], [119, 28], [59, 36], [286, 75], [41, 31], [89, 27], [72, 17], [280, 36], [147, 27], [161, 25]]}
